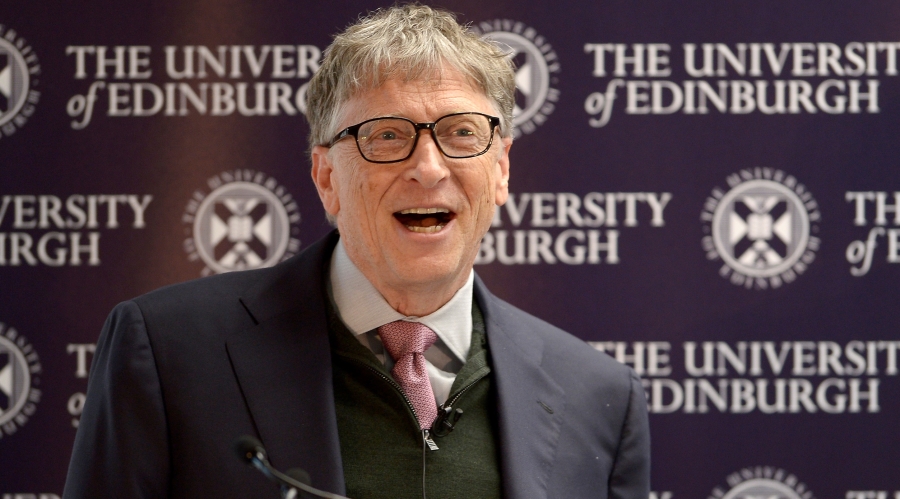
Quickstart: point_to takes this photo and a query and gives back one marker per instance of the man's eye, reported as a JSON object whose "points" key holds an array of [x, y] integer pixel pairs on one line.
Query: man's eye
{"points": [[463, 132], [387, 135]]}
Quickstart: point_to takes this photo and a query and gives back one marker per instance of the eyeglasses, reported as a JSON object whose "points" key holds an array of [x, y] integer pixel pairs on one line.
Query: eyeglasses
{"points": [[389, 140]]}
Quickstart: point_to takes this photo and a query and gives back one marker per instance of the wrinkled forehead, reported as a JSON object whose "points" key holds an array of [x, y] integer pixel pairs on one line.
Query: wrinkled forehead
{"points": [[359, 94]]}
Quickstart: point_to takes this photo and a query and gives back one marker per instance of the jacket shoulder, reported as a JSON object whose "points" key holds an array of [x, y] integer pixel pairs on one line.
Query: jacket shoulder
{"points": [[565, 357], [197, 294], [258, 294]]}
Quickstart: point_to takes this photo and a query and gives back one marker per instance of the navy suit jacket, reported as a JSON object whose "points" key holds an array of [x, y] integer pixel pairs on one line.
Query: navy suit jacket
{"points": [[179, 373]]}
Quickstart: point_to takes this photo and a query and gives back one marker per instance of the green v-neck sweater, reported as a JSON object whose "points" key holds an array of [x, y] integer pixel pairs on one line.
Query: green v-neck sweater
{"points": [[383, 451]]}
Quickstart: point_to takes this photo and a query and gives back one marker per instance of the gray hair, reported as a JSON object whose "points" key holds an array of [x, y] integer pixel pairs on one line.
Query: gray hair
{"points": [[408, 42]]}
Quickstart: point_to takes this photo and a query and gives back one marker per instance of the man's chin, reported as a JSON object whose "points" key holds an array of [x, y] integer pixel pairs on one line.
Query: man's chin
{"points": [[423, 271]]}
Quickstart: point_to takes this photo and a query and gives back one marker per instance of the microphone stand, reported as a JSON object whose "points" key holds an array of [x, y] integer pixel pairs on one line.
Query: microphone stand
{"points": [[252, 452]]}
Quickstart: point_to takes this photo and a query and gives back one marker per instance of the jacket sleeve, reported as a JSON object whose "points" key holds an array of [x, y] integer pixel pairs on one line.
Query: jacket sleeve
{"points": [[121, 446], [630, 478]]}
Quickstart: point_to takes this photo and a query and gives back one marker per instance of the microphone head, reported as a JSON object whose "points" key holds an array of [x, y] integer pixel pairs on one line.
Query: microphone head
{"points": [[300, 475], [247, 448]]}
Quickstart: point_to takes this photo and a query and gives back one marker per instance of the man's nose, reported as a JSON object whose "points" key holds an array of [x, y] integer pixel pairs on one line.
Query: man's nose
{"points": [[429, 165]]}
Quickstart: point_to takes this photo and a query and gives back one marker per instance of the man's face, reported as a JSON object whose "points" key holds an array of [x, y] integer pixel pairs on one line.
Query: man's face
{"points": [[372, 202]]}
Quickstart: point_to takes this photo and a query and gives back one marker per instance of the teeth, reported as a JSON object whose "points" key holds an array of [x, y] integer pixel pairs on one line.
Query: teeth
{"points": [[423, 211], [425, 230]]}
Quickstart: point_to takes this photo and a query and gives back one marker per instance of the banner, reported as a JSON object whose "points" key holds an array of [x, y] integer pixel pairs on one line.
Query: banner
{"points": [[708, 194]]}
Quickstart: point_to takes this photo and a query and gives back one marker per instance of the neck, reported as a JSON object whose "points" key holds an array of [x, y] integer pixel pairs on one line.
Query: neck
{"points": [[419, 299], [407, 295]]}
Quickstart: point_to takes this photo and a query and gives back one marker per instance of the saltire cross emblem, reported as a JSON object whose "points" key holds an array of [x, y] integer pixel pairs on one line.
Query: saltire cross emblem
{"points": [[760, 230], [241, 232], [6, 90], [7, 384]]}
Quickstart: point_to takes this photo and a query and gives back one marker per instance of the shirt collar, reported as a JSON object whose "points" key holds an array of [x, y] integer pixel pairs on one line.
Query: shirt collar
{"points": [[362, 308]]}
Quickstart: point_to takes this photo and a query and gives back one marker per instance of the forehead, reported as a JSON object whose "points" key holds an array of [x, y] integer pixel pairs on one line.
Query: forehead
{"points": [[426, 98]]}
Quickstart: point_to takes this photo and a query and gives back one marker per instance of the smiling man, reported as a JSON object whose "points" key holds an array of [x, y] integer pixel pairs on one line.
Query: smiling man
{"points": [[376, 360], [415, 193]]}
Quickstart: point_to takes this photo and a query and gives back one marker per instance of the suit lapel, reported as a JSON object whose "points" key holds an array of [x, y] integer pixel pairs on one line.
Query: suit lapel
{"points": [[529, 432], [283, 366]]}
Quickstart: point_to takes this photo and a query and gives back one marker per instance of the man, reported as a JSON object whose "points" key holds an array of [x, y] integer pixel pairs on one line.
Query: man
{"points": [[375, 359]]}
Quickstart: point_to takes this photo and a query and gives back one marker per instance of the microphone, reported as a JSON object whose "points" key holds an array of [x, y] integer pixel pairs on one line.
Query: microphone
{"points": [[301, 476], [252, 452]]}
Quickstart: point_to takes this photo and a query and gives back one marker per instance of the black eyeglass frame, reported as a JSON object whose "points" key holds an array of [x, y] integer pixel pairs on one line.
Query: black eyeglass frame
{"points": [[354, 131]]}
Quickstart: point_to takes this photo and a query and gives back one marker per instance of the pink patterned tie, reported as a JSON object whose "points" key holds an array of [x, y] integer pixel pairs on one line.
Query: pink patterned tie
{"points": [[406, 341]]}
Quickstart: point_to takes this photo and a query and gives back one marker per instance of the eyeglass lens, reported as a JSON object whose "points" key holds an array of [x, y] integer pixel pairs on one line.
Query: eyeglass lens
{"points": [[458, 136]]}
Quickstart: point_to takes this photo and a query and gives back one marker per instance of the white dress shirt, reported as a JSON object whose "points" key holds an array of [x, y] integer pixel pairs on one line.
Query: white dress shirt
{"points": [[363, 310]]}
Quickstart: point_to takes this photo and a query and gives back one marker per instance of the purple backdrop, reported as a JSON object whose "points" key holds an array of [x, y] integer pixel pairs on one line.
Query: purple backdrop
{"points": [[708, 193]]}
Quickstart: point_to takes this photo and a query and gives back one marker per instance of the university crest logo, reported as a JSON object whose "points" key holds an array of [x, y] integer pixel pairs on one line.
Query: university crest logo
{"points": [[762, 482], [20, 369], [536, 68], [19, 71], [246, 221], [762, 229]]}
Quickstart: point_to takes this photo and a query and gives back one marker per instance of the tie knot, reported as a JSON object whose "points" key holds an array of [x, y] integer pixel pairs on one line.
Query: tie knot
{"points": [[403, 338]]}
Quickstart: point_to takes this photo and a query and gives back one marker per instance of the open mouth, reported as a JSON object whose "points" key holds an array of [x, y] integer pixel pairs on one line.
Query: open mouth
{"points": [[425, 219]]}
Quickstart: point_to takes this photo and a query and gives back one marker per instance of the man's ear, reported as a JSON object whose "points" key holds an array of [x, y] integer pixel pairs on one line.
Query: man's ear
{"points": [[502, 181], [323, 176]]}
